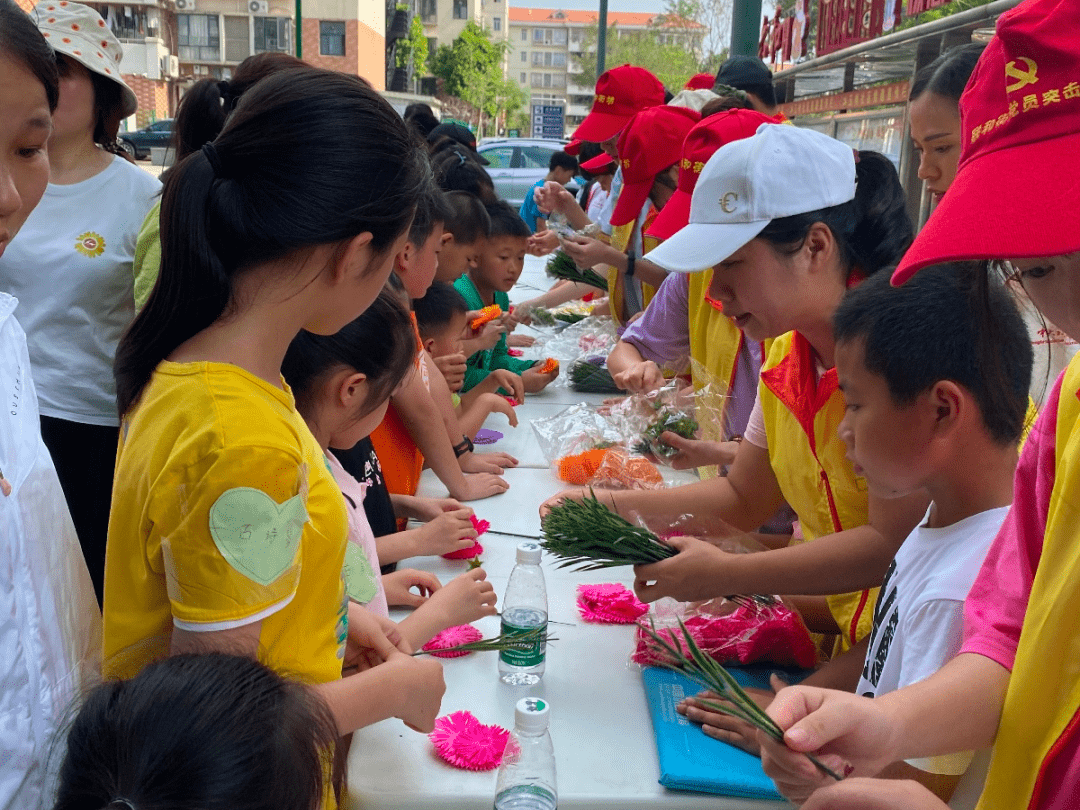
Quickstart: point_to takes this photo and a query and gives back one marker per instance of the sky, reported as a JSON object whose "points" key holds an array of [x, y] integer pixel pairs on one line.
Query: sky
{"points": [[653, 6]]}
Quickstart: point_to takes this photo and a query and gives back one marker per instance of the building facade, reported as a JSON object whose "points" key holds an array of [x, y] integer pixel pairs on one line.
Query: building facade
{"points": [[549, 44], [444, 20]]}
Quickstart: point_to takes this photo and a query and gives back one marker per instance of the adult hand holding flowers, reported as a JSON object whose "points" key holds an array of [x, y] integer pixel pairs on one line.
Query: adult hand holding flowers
{"points": [[692, 453], [695, 572]]}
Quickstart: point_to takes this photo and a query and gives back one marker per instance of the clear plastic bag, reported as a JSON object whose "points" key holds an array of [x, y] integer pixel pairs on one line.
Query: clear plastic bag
{"points": [[730, 632]]}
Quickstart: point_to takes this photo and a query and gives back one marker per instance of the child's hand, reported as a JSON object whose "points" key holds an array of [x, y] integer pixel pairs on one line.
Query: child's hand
{"points": [[698, 452], [465, 599], [453, 367], [425, 509], [498, 404], [489, 335], [420, 687], [724, 727], [874, 794], [450, 531], [370, 639], [399, 585], [534, 381], [640, 378], [696, 572], [520, 341], [493, 463], [522, 314], [507, 380], [559, 497], [480, 486]]}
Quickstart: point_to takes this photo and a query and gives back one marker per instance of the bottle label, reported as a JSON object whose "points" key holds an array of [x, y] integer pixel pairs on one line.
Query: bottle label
{"points": [[530, 651]]}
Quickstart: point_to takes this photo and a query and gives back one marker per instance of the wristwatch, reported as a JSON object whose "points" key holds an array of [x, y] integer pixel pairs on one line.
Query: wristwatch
{"points": [[464, 446], [630, 259]]}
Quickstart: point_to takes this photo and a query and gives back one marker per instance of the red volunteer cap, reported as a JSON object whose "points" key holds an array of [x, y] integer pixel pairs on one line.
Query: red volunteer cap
{"points": [[1017, 189], [597, 164], [700, 144], [621, 93], [651, 142], [700, 81], [572, 148]]}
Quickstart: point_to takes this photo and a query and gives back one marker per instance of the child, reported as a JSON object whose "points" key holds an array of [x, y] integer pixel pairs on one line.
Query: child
{"points": [[441, 317], [342, 385], [465, 227], [1014, 682], [562, 168], [200, 732], [498, 270], [227, 530]]}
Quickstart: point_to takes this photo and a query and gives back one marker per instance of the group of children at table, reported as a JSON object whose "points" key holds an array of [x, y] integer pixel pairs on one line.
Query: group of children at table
{"points": [[251, 516]]}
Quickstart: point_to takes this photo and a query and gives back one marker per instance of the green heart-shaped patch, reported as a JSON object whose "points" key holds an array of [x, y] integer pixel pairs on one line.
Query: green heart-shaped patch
{"points": [[258, 536], [360, 583]]}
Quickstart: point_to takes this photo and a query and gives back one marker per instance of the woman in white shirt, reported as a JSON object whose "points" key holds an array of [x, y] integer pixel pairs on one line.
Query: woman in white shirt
{"points": [[71, 266]]}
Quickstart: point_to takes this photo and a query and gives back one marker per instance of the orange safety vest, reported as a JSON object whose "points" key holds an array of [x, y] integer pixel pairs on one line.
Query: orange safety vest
{"points": [[810, 462], [400, 458], [1042, 705]]}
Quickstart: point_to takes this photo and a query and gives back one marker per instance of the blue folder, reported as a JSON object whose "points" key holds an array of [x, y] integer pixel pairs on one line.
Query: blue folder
{"points": [[689, 760]]}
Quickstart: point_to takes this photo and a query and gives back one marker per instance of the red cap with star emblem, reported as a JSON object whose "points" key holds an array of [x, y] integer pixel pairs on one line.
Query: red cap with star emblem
{"points": [[620, 93], [1017, 189], [651, 143], [704, 139]]}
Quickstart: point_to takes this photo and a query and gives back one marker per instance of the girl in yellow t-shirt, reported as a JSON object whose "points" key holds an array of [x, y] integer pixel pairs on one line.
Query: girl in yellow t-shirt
{"points": [[227, 530]]}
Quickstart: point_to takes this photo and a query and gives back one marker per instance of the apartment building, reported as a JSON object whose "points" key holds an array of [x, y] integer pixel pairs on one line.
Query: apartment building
{"points": [[444, 20], [549, 44]]}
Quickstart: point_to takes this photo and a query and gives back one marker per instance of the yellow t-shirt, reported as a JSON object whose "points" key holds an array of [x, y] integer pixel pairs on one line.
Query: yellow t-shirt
{"points": [[224, 512]]}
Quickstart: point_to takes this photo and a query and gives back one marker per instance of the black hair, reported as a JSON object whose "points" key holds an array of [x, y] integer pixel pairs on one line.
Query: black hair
{"points": [[21, 40], [266, 191], [379, 344], [205, 732], [931, 329], [765, 92], [727, 102], [108, 104], [466, 217], [948, 75], [456, 169], [431, 210], [505, 221], [668, 96], [561, 160], [422, 118], [437, 308], [873, 230], [208, 102]]}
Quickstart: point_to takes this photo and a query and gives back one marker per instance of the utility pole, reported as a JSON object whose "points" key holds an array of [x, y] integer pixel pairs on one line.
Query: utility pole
{"points": [[745, 27], [299, 32], [601, 38]]}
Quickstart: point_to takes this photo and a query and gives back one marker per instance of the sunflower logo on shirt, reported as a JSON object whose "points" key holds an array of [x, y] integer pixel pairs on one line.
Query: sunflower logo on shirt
{"points": [[90, 244]]}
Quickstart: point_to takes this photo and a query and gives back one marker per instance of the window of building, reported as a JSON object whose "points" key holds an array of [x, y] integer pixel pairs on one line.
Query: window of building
{"points": [[331, 38], [432, 46], [524, 34], [558, 80], [524, 78], [461, 9], [198, 37], [428, 10], [498, 23], [272, 34], [128, 22], [538, 36], [538, 59], [237, 39], [524, 56], [536, 79], [558, 59], [559, 36], [575, 35], [429, 86]]}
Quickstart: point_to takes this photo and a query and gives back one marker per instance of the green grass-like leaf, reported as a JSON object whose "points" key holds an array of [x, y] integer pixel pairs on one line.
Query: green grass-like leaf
{"points": [[588, 535], [561, 266]]}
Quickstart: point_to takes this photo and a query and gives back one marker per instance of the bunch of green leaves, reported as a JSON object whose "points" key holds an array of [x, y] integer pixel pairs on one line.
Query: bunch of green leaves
{"points": [[542, 316], [561, 266], [592, 378], [569, 317], [590, 536], [524, 640], [669, 419], [696, 665]]}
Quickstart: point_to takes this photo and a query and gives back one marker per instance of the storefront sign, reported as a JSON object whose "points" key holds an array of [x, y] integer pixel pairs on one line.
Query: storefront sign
{"points": [[881, 95]]}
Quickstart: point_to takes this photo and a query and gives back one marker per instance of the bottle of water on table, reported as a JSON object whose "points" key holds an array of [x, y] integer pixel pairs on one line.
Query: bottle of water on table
{"points": [[525, 612], [527, 773]]}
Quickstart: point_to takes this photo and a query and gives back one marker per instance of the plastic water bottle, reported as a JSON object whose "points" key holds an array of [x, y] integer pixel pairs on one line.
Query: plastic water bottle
{"points": [[525, 609], [527, 773]]}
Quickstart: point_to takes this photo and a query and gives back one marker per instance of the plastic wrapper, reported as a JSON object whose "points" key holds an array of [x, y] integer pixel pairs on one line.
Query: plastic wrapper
{"points": [[574, 430], [590, 375], [730, 633]]}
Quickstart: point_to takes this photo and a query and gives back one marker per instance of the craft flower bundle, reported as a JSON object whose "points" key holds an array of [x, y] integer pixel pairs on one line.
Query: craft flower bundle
{"points": [[591, 376], [667, 420], [475, 550], [488, 313], [561, 266]]}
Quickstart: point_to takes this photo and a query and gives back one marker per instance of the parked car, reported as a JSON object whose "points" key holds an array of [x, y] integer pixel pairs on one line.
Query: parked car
{"points": [[517, 163], [138, 143]]}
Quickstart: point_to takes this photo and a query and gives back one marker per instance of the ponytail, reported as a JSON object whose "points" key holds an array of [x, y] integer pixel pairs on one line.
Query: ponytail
{"points": [[873, 230], [277, 189]]}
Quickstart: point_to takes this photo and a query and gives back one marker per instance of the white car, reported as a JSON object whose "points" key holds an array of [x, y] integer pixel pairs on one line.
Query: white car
{"points": [[517, 163]]}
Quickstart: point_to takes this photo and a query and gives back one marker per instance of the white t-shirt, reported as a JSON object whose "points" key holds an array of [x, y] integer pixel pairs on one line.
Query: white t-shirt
{"points": [[919, 616], [71, 269]]}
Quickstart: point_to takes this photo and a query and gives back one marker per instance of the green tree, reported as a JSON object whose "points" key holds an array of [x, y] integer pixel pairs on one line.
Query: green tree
{"points": [[414, 48], [672, 63], [471, 68]]}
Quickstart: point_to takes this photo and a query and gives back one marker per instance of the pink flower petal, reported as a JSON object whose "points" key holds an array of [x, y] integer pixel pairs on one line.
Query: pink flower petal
{"points": [[481, 526], [609, 603], [453, 637], [475, 550], [465, 742]]}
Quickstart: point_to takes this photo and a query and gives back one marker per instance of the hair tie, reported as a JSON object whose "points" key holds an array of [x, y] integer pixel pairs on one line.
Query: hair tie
{"points": [[214, 159], [125, 803], [461, 158]]}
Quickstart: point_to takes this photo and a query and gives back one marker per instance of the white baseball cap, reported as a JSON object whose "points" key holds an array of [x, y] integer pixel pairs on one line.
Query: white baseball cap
{"points": [[778, 172]]}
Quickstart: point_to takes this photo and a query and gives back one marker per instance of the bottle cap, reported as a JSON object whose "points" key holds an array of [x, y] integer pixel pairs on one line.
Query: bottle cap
{"points": [[531, 714], [528, 552]]}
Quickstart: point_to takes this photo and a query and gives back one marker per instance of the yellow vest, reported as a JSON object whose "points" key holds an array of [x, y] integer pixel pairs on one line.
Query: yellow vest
{"points": [[1042, 704], [621, 236], [810, 462], [715, 343]]}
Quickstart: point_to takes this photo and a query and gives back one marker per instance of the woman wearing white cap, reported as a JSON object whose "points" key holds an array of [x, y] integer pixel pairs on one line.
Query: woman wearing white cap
{"points": [[788, 219], [70, 266]]}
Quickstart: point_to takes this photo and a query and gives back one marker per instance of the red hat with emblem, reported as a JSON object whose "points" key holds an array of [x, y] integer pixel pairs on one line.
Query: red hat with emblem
{"points": [[1017, 189], [621, 93], [700, 81], [704, 139], [651, 143]]}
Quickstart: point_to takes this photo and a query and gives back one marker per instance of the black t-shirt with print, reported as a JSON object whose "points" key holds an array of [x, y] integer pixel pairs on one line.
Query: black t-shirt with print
{"points": [[362, 463]]}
